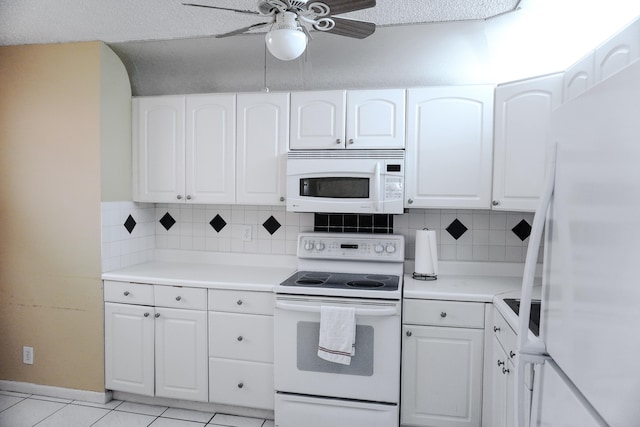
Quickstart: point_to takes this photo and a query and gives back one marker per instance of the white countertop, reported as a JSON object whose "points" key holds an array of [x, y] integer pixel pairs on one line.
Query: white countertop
{"points": [[209, 270], [460, 288]]}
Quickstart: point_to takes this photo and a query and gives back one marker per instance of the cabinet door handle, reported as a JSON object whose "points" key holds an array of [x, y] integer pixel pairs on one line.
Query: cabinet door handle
{"points": [[495, 203], [240, 338], [179, 197], [505, 371], [338, 141], [496, 329], [239, 302], [443, 314], [240, 385], [409, 333], [351, 141], [178, 298], [410, 201], [282, 199], [157, 315], [500, 362], [146, 315], [188, 197], [511, 354]]}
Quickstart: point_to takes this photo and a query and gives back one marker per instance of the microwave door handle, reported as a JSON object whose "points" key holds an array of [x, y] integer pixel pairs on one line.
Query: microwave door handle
{"points": [[377, 194], [371, 312]]}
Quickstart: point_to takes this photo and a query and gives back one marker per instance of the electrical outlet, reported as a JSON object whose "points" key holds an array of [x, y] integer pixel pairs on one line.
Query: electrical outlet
{"points": [[246, 233], [27, 355]]}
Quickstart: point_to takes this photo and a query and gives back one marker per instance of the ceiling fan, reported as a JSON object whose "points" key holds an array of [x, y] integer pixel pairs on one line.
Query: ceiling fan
{"points": [[291, 20]]}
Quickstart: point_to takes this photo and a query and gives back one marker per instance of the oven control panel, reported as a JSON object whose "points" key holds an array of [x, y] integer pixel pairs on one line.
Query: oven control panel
{"points": [[383, 247]]}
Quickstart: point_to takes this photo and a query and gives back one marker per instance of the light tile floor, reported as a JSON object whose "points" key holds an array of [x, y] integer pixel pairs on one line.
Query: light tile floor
{"points": [[26, 410]]}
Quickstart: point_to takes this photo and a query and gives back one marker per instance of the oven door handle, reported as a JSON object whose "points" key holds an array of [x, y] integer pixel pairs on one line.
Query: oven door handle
{"points": [[371, 312]]}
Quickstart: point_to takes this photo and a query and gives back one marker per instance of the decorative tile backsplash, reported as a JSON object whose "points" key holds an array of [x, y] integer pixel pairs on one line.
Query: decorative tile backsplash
{"points": [[131, 231]]}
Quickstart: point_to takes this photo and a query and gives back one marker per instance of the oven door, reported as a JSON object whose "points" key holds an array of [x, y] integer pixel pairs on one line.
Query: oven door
{"points": [[374, 372]]}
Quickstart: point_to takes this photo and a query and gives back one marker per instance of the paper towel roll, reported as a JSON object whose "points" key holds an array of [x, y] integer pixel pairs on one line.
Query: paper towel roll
{"points": [[426, 253]]}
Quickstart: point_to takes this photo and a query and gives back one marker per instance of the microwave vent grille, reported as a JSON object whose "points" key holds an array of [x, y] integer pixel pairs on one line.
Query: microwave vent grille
{"points": [[346, 154]]}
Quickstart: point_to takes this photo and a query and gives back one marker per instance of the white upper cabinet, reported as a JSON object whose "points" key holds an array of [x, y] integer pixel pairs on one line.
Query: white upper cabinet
{"points": [[449, 147], [522, 123], [578, 78], [158, 149], [376, 119], [318, 120], [617, 52], [184, 149], [262, 141], [210, 156], [358, 119]]}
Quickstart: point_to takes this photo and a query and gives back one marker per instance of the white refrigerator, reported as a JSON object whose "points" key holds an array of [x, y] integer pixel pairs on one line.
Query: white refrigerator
{"points": [[588, 370]]}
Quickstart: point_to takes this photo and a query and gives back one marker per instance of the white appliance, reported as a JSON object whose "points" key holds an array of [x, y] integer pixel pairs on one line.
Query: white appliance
{"points": [[362, 271], [346, 181], [587, 371]]}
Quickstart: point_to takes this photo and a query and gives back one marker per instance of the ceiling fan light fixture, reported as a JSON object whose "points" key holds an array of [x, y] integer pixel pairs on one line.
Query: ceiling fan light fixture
{"points": [[286, 42]]}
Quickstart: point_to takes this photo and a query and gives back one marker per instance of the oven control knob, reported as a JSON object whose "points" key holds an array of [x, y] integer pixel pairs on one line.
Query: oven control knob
{"points": [[391, 249], [319, 246], [308, 245], [378, 248]]}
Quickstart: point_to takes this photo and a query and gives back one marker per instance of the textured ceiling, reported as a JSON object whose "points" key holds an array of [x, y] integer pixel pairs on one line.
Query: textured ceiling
{"points": [[112, 21]]}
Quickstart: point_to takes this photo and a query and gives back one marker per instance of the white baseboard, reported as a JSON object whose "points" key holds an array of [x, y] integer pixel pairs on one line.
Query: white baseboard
{"points": [[59, 392]]}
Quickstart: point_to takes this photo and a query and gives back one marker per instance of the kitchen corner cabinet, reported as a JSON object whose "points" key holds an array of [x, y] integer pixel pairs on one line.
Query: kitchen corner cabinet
{"points": [[521, 142], [155, 340], [442, 361], [262, 141], [449, 147], [184, 149], [356, 119], [241, 348]]}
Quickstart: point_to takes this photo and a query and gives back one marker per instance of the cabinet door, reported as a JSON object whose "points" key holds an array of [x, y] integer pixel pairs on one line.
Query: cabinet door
{"points": [[210, 156], [578, 78], [262, 141], [522, 124], [181, 354], [617, 52], [158, 149], [449, 147], [317, 120], [376, 119], [442, 376], [129, 338], [499, 385]]}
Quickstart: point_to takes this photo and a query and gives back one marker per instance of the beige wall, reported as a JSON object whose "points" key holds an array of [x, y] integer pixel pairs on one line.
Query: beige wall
{"points": [[50, 193]]}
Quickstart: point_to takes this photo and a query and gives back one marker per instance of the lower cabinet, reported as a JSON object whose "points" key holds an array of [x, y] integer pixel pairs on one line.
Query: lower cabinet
{"points": [[153, 348], [442, 362], [241, 348]]}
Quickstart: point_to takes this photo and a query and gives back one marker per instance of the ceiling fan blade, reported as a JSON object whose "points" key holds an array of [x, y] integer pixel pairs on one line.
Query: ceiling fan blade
{"points": [[352, 28], [244, 30], [344, 6], [250, 12]]}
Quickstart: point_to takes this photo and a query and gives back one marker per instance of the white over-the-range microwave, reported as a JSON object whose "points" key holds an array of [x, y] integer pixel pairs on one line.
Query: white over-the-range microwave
{"points": [[346, 181]]}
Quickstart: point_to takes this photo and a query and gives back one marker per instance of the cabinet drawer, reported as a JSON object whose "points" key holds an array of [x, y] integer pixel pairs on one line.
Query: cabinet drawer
{"points": [[505, 335], [128, 293], [235, 301], [248, 384], [241, 336], [444, 313], [180, 297]]}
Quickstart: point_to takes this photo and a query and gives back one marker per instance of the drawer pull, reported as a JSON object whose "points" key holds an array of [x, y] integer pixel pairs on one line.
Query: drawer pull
{"points": [[443, 314], [500, 363], [157, 315], [126, 293], [240, 338], [511, 354], [505, 371], [146, 315], [239, 302], [496, 329], [178, 298], [240, 385], [409, 333]]}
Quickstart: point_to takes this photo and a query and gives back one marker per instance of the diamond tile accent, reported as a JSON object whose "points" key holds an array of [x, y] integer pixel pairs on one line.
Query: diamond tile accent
{"points": [[218, 223], [456, 229], [167, 221], [271, 225], [130, 224], [522, 230]]}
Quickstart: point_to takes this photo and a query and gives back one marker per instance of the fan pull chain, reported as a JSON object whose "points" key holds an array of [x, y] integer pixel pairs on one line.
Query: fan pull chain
{"points": [[265, 88]]}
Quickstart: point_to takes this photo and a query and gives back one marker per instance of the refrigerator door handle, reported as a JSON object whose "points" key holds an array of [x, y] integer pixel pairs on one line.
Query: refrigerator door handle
{"points": [[532, 351]]}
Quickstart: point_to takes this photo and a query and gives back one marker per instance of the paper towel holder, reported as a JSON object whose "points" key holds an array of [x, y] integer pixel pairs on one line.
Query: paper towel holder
{"points": [[424, 276]]}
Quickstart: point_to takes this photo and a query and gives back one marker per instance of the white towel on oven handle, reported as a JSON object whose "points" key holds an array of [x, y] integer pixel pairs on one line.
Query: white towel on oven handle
{"points": [[337, 341]]}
